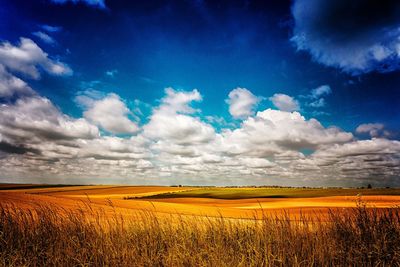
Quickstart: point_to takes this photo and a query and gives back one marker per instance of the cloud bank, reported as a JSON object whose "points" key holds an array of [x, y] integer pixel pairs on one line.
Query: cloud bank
{"points": [[176, 143]]}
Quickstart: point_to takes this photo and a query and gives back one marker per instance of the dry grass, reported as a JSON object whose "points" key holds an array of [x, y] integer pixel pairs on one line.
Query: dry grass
{"points": [[51, 236]]}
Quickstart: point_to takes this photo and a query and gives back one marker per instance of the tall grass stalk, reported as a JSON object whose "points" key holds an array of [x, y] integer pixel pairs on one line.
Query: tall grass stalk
{"points": [[50, 236]]}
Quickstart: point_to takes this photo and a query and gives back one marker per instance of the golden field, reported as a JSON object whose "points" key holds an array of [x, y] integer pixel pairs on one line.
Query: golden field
{"points": [[226, 202], [197, 226]]}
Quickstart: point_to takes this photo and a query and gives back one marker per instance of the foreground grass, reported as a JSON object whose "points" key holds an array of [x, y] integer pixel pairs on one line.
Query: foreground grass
{"points": [[245, 193], [50, 236]]}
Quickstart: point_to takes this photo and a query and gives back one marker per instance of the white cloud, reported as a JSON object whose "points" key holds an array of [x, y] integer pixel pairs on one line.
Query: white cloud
{"points": [[34, 119], [285, 102], [44, 37], [374, 146], [321, 91], [11, 85], [362, 160], [178, 102], [87, 98], [242, 103], [355, 41], [271, 132], [27, 57], [115, 148], [111, 113], [373, 129], [170, 121], [180, 129], [257, 163]]}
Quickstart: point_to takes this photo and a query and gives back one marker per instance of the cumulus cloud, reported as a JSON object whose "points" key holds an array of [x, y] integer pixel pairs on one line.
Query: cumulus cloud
{"points": [[272, 132], [170, 121], [30, 119], [35, 119], [179, 101], [38, 140], [44, 37], [110, 113], [11, 85], [357, 36], [373, 129], [242, 102], [285, 102], [95, 3], [27, 57]]}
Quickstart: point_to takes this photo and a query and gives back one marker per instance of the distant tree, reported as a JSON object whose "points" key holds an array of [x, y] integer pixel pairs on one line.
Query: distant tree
{"points": [[369, 186]]}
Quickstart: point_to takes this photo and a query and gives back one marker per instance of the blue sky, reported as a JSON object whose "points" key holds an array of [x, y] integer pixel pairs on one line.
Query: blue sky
{"points": [[330, 62]]}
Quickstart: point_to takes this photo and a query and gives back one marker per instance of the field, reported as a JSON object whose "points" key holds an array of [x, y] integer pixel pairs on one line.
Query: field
{"points": [[226, 202], [198, 226]]}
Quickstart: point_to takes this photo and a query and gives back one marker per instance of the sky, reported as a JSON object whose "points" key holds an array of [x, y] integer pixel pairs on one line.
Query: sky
{"points": [[195, 92]]}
